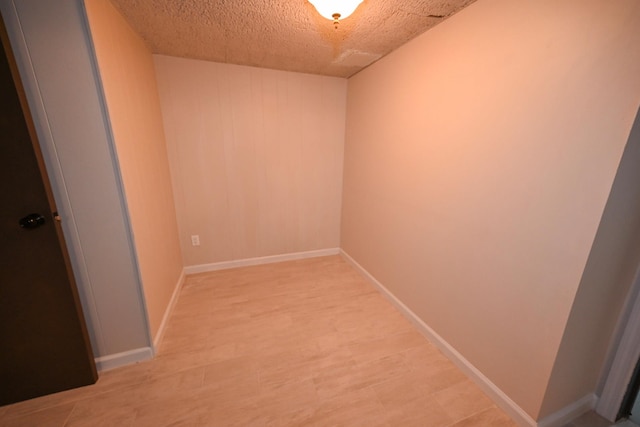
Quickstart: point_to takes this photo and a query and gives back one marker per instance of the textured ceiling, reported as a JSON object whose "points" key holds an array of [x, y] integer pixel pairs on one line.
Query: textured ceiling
{"points": [[282, 34]]}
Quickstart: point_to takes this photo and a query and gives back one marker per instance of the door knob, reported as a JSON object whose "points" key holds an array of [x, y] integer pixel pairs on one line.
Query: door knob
{"points": [[33, 220]]}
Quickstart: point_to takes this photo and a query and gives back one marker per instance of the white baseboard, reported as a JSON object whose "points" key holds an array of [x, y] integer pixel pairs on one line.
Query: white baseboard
{"points": [[202, 268], [570, 412], [112, 361], [167, 313], [497, 395]]}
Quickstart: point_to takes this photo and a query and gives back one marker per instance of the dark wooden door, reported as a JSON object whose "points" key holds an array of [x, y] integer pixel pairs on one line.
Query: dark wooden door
{"points": [[44, 346]]}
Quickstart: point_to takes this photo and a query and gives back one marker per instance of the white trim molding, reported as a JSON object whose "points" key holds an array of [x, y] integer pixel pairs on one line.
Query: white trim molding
{"points": [[112, 361], [570, 412], [497, 395], [203, 268], [157, 340], [625, 360]]}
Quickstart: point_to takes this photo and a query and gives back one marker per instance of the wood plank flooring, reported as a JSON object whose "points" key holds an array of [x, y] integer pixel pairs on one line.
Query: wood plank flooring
{"points": [[301, 343]]}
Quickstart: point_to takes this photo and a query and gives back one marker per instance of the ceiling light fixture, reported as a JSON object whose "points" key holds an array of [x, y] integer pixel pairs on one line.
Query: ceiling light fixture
{"points": [[335, 9]]}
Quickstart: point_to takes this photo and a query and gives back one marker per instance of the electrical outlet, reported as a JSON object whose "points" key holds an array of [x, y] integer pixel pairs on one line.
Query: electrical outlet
{"points": [[195, 240]]}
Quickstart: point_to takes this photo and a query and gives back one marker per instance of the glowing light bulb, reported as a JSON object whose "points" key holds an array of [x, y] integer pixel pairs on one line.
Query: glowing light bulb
{"points": [[335, 9]]}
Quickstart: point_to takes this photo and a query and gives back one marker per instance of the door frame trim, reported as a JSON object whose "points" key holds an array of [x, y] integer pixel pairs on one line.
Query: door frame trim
{"points": [[45, 179], [626, 357], [39, 117]]}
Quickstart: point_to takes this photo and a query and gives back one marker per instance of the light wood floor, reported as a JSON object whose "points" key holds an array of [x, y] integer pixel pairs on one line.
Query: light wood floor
{"points": [[302, 343]]}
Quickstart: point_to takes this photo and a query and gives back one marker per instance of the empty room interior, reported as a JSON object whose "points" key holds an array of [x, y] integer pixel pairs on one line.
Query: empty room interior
{"points": [[291, 229]]}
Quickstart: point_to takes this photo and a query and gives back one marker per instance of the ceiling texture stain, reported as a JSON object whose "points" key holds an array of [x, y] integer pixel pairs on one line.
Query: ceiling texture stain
{"points": [[285, 35]]}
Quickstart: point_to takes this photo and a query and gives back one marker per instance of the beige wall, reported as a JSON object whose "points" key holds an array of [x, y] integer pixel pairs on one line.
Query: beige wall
{"points": [[256, 158], [478, 161], [128, 78]]}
